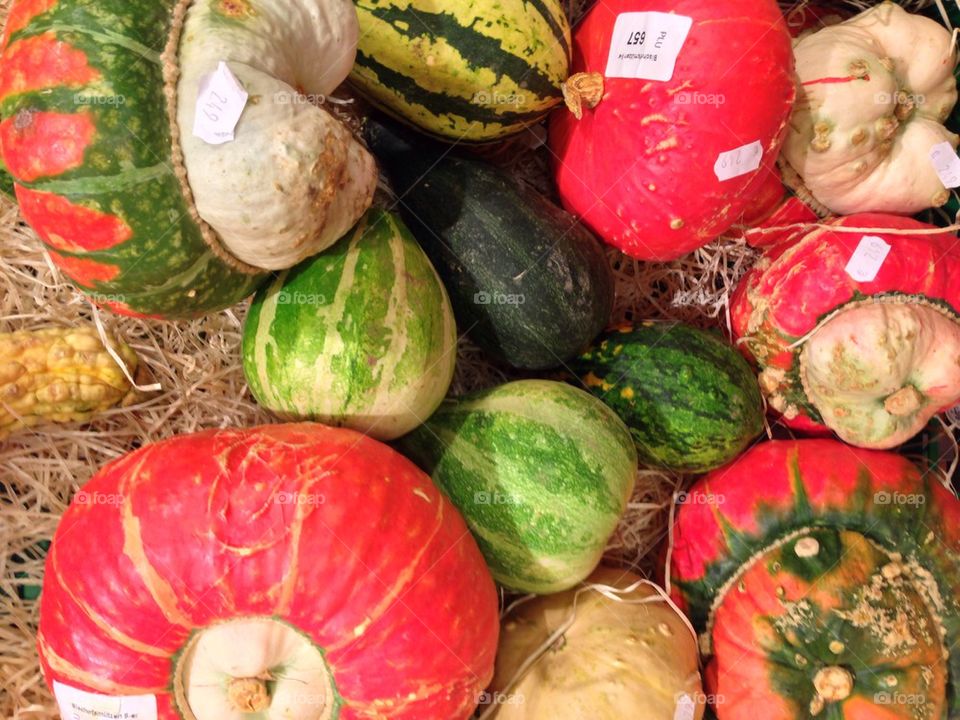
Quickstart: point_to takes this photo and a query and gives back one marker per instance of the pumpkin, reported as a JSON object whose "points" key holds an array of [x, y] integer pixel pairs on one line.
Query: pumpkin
{"points": [[847, 338], [875, 91], [825, 582], [360, 336], [289, 571], [60, 375], [465, 72], [97, 113], [660, 160], [624, 652]]}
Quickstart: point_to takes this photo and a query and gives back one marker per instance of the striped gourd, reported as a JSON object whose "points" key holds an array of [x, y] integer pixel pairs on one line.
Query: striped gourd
{"points": [[463, 69], [361, 336], [542, 473]]}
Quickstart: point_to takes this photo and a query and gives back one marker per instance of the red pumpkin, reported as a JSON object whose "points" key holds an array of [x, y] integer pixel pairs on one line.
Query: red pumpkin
{"points": [[640, 168], [825, 582], [868, 349], [294, 570]]}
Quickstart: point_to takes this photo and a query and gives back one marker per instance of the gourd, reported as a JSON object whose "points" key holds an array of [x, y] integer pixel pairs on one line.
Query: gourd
{"points": [[824, 581], [660, 163], [60, 375], [97, 110], [869, 349], [464, 72], [360, 336], [875, 91], [625, 653], [288, 571], [542, 471]]}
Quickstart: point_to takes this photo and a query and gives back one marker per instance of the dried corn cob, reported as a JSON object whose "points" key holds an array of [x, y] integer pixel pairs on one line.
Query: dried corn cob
{"points": [[59, 375]]}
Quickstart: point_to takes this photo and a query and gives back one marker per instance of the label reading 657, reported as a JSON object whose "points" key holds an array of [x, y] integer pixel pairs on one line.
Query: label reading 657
{"points": [[645, 45]]}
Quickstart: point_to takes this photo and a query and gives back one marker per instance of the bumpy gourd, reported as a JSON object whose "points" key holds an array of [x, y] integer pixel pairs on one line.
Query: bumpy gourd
{"points": [[874, 93], [59, 375], [97, 104]]}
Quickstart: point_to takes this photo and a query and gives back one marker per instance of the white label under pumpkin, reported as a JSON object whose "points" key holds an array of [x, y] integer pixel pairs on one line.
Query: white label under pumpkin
{"points": [[220, 103], [946, 163], [740, 161], [83, 705], [686, 708], [868, 258], [953, 414], [645, 45]]}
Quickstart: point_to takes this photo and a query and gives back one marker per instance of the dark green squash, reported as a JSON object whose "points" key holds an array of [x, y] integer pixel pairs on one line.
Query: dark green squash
{"points": [[528, 284]]}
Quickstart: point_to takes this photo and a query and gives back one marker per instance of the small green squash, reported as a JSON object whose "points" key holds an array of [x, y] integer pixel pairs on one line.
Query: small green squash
{"points": [[361, 336], [691, 402], [542, 473]]}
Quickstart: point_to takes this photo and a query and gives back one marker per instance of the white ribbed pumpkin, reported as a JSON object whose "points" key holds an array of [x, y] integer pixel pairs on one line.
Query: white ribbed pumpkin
{"points": [[874, 93]]}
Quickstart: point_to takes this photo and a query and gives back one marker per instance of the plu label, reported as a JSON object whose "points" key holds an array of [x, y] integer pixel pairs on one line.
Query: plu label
{"points": [[645, 45]]}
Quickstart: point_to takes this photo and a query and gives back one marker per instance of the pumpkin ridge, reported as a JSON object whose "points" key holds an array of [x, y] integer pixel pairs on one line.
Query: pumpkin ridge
{"points": [[106, 37]]}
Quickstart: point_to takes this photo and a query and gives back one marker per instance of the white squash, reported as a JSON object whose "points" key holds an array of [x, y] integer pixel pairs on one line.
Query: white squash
{"points": [[874, 92], [617, 660], [294, 180]]}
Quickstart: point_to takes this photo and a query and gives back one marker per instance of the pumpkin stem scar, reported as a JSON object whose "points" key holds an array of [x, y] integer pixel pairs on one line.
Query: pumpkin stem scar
{"points": [[904, 401], [248, 695], [833, 683]]}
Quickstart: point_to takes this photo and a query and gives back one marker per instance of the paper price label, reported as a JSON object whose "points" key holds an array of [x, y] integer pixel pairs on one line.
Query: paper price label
{"points": [[953, 414], [686, 708], [946, 163], [82, 705], [740, 161], [645, 45], [867, 259], [220, 104]]}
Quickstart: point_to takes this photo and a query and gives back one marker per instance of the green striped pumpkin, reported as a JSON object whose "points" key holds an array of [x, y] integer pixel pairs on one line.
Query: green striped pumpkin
{"points": [[542, 473], [691, 402], [474, 70], [361, 336]]}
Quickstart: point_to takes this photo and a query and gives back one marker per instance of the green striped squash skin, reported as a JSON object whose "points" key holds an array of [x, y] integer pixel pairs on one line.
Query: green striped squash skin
{"points": [[360, 336], [465, 70], [88, 142], [690, 400], [542, 473], [529, 284]]}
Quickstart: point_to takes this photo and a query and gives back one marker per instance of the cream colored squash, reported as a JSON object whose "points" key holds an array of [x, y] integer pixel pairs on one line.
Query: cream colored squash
{"points": [[878, 372], [618, 660], [874, 92], [294, 180]]}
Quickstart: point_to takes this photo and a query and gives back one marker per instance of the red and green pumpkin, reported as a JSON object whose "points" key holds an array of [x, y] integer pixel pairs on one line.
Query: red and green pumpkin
{"points": [[871, 359], [825, 583], [97, 103], [637, 159], [289, 571]]}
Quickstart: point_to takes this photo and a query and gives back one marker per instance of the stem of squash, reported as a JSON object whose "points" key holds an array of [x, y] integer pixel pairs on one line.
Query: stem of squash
{"points": [[248, 695]]}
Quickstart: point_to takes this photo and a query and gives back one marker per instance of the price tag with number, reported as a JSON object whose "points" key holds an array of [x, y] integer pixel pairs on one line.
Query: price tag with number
{"points": [[868, 258], [220, 104], [946, 163], [645, 45], [739, 161]]}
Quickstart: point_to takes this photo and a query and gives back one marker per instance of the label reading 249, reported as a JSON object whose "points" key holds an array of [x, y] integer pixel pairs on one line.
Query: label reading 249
{"points": [[645, 45]]}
